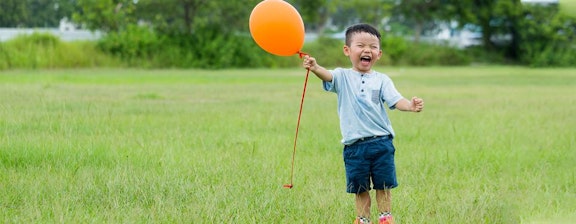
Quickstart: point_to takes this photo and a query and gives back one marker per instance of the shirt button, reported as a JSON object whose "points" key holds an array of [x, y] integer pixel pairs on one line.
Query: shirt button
{"points": [[362, 90], [363, 82]]}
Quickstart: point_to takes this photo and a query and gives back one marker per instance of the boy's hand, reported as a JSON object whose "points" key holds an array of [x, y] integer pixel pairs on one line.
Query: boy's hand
{"points": [[417, 104], [310, 63]]}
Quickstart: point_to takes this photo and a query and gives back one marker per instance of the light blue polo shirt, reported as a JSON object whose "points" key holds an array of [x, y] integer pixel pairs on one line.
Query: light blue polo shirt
{"points": [[361, 99]]}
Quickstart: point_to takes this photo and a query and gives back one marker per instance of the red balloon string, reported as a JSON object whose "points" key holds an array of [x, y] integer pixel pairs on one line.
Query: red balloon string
{"points": [[301, 54]]}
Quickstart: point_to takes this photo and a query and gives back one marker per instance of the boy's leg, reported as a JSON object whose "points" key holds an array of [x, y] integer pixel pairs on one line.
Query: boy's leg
{"points": [[363, 204], [384, 200]]}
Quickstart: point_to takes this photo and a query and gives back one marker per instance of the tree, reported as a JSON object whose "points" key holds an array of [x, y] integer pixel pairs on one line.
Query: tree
{"points": [[105, 15], [369, 11], [167, 16], [35, 13], [170, 15], [494, 17], [48, 13], [420, 13], [13, 13], [530, 34], [546, 37], [316, 13]]}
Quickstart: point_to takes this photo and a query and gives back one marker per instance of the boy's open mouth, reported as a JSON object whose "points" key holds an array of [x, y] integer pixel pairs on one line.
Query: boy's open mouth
{"points": [[365, 60]]}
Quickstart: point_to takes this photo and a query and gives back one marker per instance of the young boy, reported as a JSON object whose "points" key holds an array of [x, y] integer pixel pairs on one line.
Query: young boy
{"points": [[366, 130]]}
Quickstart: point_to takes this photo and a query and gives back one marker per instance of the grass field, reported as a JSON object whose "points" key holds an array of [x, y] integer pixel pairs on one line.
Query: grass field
{"points": [[493, 145]]}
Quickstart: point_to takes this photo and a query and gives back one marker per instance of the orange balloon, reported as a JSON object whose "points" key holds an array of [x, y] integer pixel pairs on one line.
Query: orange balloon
{"points": [[277, 27]]}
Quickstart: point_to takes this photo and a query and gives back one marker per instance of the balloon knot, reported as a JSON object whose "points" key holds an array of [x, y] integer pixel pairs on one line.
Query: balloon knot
{"points": [[302, 54]]}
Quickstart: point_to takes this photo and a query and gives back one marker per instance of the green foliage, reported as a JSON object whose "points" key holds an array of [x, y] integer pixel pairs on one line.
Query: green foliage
{"points": [[395, 46], [395, 51], [133, 45], [212, 34], [166, 16], [423, 54], [551, 45], [556, 55], [4, 57], [207, 48], [368, 10], [493, 16], [35, 13], [404, 52], [38, 39], [479, 55], [12, 13], [328, 52], [36, 51], [105, 15], [139, 46], [43, 50], [536, 35]]}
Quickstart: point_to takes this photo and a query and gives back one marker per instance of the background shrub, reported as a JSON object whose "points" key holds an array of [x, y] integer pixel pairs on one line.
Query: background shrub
{"points": [[208, 48], [395, 51], [550, 45], [395, 46], [133, 45], [44, 50], [423, 54]]}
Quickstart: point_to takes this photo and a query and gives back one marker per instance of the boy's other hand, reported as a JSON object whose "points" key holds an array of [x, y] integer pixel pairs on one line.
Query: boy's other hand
{"points": [[417, 104]]}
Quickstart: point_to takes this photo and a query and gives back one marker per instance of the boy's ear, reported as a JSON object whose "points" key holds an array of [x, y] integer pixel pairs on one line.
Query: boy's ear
{"points": [[346, 50]]}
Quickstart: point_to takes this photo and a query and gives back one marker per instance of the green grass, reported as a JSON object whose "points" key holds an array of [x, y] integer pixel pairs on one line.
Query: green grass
{"points": [[493, 145]]}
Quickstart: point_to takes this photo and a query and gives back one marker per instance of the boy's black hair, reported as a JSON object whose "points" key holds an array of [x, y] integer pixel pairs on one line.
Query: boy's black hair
{"points": [[358, 28]]}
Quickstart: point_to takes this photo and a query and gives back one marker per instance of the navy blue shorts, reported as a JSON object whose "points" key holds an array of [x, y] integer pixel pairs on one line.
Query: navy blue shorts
{"points": [[370, 159]]}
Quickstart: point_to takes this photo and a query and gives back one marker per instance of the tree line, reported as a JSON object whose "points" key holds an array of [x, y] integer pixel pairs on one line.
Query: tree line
{"points": [[518, 32]]}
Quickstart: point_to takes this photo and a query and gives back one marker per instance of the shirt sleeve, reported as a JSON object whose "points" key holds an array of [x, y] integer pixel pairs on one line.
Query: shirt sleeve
{"points": [[389, 94], [331, 86]]}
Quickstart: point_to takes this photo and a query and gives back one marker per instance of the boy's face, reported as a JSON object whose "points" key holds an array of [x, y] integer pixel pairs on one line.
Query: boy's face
{"points": [[364, 51]]}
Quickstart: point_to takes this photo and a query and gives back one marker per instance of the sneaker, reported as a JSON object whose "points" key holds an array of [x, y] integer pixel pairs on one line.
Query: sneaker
{"points": [[385, 219], [359, 220]]}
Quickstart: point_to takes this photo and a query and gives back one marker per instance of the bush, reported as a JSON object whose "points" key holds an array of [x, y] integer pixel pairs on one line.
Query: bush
{"points": [[133, 45], [478, 54], [37, 39], [209, 48], [426, 54], [4, 57], [404, 52], [35, 50], [394, 46], [396, 51], [551, 44], [554, 55], [327, 51], [44, 50]]}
